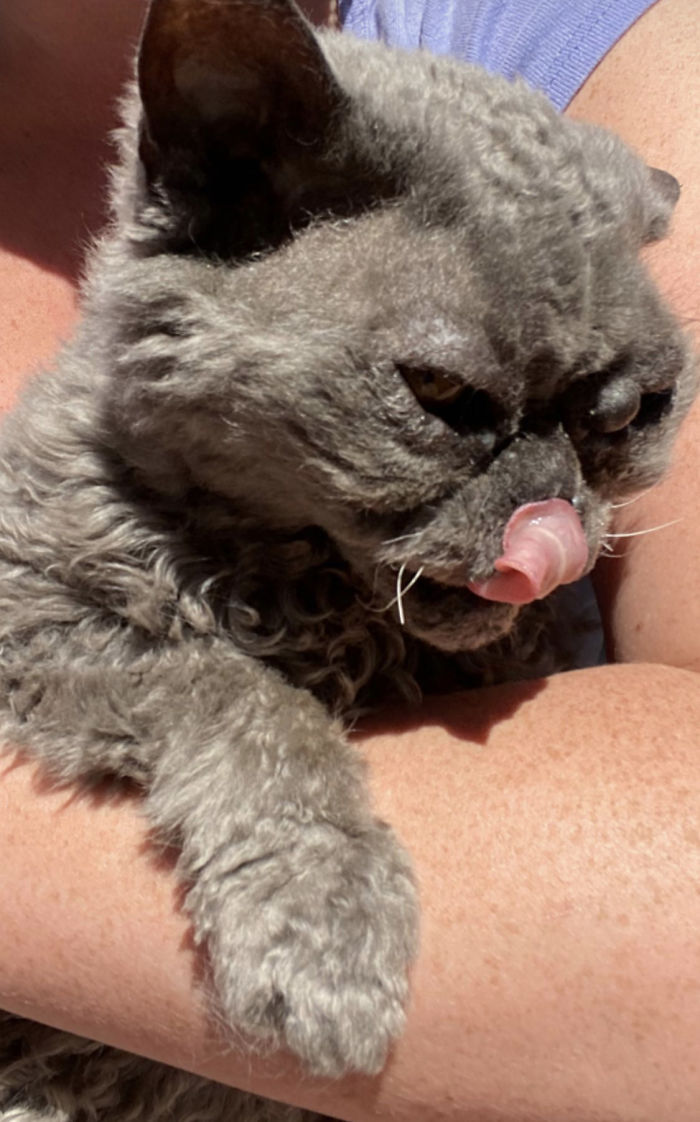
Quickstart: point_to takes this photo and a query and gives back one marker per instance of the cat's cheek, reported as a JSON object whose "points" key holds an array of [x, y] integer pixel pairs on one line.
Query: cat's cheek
{"points": [[626, 465]]}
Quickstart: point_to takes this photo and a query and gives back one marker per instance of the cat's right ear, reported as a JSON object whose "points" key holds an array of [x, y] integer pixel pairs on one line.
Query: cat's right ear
{"points": [[663, 194], [239, 106]]}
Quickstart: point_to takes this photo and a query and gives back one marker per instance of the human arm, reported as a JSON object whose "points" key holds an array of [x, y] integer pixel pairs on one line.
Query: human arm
{"points": [[560, 952], [579, 799]]}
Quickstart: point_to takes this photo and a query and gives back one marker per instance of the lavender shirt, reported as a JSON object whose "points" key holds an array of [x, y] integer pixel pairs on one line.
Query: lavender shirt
{"points": [[553, 44]]}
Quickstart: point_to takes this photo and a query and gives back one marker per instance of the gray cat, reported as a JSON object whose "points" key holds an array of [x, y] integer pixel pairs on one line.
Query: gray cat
{"points": [[367, 355]]}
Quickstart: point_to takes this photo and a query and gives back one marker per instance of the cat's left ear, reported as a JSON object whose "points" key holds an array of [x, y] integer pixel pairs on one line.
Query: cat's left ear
{"points": [[239, 105], [663, 194]]}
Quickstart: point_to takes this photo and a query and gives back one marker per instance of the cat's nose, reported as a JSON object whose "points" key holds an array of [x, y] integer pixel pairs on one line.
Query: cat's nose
{"points": [[617, 406]]}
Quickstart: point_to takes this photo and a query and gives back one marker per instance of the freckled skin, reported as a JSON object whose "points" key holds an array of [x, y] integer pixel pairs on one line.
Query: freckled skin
{"points": [[156, 323]]}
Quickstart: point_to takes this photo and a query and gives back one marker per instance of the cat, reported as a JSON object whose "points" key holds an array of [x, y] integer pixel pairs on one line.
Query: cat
{"points": [[367, 356]]}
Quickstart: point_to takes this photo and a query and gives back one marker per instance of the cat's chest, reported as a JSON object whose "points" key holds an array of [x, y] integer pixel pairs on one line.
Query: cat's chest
{"points": [[325, 631], [295, 604]]}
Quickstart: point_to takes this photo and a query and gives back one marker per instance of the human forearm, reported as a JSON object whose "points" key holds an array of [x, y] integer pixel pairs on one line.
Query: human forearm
{"points": [[552, 827]]}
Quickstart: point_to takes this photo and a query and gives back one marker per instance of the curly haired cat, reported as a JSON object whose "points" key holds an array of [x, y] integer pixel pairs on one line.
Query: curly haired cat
{"points": [[367, 355]]}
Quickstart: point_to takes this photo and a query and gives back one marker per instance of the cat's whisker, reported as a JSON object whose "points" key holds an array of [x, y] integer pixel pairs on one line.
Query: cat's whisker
{"points": [[649, 530], [402, 538], [634, 499], [607, 547], [401, 592], [371, 604]]}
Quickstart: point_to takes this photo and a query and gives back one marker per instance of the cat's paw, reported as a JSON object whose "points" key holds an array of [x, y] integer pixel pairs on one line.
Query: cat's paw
{"points": [[312, 947]]}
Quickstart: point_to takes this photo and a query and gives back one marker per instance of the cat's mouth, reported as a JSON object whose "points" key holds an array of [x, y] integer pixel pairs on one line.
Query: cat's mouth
{"points": [[445, 613], [544, 546]]}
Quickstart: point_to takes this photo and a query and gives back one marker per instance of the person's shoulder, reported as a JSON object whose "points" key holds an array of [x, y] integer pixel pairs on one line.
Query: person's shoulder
{"points": [[647, 89]]}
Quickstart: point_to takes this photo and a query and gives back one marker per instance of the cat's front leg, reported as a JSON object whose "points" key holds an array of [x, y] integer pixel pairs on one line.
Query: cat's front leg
{"points": [[305, 902]]}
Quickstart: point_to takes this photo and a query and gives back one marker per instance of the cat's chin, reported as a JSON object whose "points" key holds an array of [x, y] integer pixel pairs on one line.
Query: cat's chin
{"points": [[454, 619]]}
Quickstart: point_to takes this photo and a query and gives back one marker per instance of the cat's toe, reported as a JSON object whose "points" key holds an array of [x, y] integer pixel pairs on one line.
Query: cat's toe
{"points": [[337, 1025], [314, 953]]}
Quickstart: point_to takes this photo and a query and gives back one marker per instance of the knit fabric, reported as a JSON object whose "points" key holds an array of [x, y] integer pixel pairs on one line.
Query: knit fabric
{"points": [[553, 44]]}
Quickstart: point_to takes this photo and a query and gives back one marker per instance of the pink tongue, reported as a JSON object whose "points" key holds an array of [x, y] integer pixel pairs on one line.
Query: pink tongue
{"points": [[543, 547]]}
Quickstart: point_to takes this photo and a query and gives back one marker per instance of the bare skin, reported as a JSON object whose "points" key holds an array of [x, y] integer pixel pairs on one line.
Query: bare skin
{"points": [[62, 67], [560, 957], [648, 89], [554, 827]]}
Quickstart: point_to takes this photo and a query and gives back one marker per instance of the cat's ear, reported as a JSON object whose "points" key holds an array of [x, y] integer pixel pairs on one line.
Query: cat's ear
{"points": [[663, 194], [239, 105]]}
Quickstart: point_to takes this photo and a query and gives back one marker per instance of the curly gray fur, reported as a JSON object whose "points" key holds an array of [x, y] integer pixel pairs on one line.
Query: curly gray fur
{"points": [[204, 508], [50, 1076]]}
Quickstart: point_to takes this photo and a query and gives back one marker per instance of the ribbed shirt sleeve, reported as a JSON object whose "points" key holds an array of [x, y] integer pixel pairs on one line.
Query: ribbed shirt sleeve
{"points": [[553, 44]]}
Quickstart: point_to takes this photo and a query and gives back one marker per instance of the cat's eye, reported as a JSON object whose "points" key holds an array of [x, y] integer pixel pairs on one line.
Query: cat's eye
{"points": [[617, 406], [432, 386], [468, 411], [621, 405], [653, 407]]}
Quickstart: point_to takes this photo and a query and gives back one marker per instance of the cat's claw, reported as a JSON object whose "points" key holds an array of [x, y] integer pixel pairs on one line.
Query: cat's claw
{"points": [[313, 949]]}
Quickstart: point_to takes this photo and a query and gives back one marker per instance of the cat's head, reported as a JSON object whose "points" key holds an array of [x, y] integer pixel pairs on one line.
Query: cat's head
{"points": [[386, 294]]}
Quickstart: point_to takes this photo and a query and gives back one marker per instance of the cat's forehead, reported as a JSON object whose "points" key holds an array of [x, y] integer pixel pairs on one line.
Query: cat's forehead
{"points": [[489, 296], [494, 160], [447, 127], [440, 217]]}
